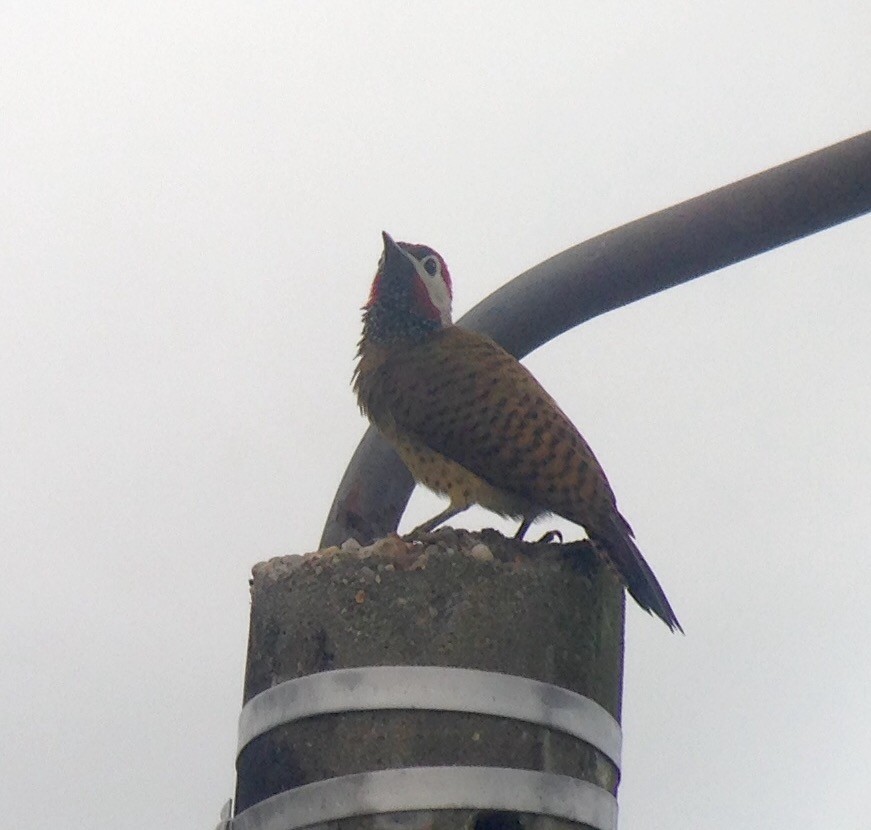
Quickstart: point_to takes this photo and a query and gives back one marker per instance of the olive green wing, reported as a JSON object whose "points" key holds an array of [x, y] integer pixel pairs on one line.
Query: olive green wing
{"points": [[465, 397]]}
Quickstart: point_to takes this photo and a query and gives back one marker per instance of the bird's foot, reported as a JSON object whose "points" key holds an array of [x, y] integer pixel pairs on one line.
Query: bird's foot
{"points": [[550, 536]]}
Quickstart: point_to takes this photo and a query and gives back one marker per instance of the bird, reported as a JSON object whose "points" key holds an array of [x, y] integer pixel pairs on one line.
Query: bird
{"points": [[472, 423]]}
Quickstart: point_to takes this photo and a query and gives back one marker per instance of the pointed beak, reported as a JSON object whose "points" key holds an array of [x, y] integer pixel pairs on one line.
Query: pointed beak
{"points": [[388, 241], [395, 259]]}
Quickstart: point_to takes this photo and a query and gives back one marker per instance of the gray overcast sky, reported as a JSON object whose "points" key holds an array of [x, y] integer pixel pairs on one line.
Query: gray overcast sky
{"points": [[192, 200]]}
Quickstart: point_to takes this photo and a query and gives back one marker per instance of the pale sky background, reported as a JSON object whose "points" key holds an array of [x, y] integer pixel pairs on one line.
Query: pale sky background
{"points": [[193, 195]]}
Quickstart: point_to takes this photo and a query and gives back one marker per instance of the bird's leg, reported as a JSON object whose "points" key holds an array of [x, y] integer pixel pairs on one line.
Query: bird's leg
{"points": [[524, 526], [435, 521]]}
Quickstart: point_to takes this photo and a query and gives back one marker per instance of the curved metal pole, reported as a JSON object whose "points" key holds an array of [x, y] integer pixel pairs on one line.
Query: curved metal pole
{"points": [[620, 266]]}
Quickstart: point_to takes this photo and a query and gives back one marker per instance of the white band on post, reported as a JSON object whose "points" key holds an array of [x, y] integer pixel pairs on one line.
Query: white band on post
{"points": [[433, 788], [432, 688]]}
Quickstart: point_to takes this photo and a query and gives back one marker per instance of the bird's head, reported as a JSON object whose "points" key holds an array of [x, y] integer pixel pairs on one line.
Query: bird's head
{"points": [[411, 293]]}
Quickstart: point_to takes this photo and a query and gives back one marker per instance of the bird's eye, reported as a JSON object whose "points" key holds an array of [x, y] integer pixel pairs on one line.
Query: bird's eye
{"points": [[431, 266]]}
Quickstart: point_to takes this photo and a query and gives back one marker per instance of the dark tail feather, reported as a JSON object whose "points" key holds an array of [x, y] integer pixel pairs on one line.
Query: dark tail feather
{"points": [[642, 584]]}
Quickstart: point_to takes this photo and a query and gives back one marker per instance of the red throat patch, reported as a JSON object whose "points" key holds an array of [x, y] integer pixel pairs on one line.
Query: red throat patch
{"points": [[374, 291]]}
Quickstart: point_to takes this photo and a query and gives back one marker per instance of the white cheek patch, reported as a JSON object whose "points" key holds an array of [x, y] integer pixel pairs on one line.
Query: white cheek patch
{"points": [[440, 297], [437, 290]]}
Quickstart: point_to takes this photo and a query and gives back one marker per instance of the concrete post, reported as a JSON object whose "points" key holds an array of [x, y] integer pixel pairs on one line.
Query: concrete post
{"points": [[547, 612]]}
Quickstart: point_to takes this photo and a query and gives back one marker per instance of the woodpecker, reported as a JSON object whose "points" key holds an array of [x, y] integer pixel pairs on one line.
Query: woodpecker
{"points": [[473, 424]]}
